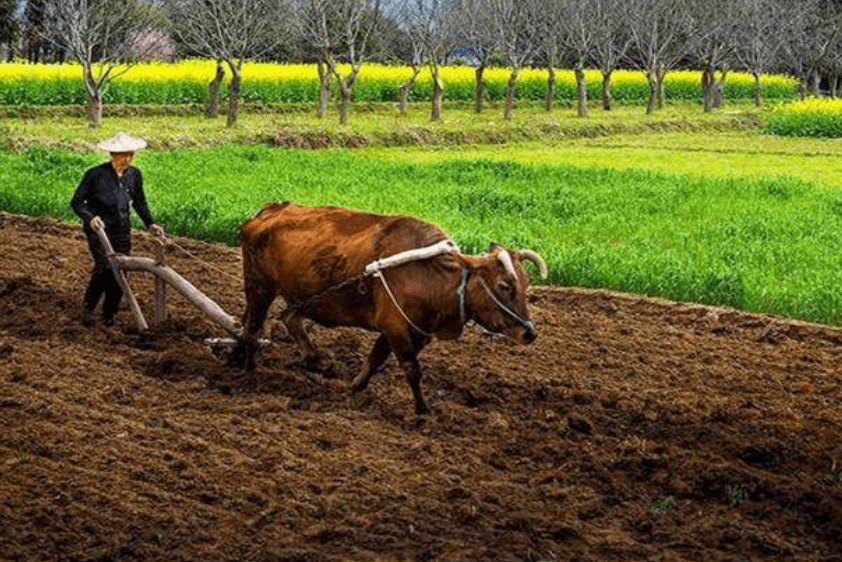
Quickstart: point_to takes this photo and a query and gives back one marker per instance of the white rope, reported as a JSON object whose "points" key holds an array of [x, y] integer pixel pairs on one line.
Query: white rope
{"points": [[395, 302], [207, 265]]}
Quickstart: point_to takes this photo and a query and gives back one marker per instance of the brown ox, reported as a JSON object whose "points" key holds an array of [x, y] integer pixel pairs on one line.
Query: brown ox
{"points": [[340, 267]]}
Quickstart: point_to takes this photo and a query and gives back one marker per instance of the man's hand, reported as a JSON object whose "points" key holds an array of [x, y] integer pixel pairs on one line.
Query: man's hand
{"points": [[96, 224], [156, 230]]}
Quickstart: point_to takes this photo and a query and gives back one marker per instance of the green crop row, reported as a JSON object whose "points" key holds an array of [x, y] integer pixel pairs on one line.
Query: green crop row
{"points": [[769, 245], [186, 82], [813, 117]]}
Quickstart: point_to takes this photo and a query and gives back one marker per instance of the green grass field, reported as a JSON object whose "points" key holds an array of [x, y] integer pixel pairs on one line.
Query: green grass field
{"points": [[701, 209]]}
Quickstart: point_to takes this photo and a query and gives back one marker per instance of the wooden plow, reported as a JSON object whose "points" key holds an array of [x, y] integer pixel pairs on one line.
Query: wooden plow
{"points": [[163, 276]]}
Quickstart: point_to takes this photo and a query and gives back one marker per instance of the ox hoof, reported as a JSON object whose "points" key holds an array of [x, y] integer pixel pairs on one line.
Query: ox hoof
{"points": [[317, 363], [359, 384]]}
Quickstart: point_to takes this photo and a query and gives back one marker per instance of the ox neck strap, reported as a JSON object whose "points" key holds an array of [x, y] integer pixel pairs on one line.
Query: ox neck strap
{"points": [[460, 292]]}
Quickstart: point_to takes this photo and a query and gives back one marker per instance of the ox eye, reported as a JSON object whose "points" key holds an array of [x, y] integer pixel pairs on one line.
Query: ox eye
{"points": [[503, 287]]}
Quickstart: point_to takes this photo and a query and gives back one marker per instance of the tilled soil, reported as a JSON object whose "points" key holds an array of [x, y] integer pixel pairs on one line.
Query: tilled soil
{"points": [[632, 429]]}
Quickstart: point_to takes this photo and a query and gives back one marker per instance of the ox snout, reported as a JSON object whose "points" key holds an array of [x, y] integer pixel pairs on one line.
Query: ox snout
{"points": [[529, 335], [523, 333]]}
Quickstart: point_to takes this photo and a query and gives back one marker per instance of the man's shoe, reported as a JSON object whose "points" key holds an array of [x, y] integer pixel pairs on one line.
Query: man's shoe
{"points": [[88, 319]]}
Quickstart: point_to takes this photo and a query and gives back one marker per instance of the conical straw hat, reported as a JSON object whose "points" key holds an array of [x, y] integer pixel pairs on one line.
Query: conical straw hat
{"points": [[122, 142]]}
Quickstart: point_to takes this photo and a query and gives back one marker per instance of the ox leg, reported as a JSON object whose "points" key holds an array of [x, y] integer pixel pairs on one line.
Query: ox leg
{"points": [[408, 358], [258, 301], [313, 358], [413, 376], [379, 353]]}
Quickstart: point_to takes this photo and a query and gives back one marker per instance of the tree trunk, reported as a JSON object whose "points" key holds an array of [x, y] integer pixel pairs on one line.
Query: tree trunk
{"points": [[758, 99], [94, 110], [234, 93], [661, 94], [581, 90], [718, 89], [707, 89], [511, 90], [607, 100], [405, 88], [815, 82], [344, 102], [346, 91], [324, 88], [94, 98], [652, 81], [549, 98], [712, 88], [213, 90], [479, 91], [438, 92]]}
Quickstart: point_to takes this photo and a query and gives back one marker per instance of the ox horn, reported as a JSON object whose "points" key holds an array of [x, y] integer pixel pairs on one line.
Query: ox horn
{"points": [[506, 259], [537, 260]]}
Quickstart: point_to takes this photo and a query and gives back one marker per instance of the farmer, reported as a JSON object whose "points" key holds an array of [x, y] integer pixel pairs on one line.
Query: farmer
{"points": [[102, 201]]}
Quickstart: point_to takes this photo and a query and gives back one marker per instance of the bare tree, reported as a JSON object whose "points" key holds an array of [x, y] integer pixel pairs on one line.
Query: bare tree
{"points": [[442, 22], [832, 66], [759, 39], [658, 30], [411, 22], [315, 28], [9, 26], [812, 29], [577, 20], [712, 44], [516, 28], [429, 25], [104, 37], [339, 29], [232, 31], [474, 29], [611, 41], [550, 44]]}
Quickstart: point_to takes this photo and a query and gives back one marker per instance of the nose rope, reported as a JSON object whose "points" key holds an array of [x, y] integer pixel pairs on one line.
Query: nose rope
{"points": [[519, 319]]}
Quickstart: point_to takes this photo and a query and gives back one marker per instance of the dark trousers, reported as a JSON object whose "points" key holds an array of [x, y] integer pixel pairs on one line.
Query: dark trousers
{"points": [[102, 278]]}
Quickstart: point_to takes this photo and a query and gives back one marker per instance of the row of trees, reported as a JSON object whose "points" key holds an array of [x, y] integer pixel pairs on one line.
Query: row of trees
{"points": [[802, 37]]}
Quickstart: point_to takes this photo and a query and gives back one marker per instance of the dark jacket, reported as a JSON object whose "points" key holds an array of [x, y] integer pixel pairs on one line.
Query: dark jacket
{"points": [[101, 193]]}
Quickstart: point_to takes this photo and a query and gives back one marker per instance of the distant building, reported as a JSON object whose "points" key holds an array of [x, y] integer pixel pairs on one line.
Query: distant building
{"points": [[468, 55]]}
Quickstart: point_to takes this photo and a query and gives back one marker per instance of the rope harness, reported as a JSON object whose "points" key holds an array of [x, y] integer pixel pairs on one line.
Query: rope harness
{"points": [[514, 315], [376, 268]]}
